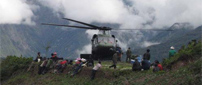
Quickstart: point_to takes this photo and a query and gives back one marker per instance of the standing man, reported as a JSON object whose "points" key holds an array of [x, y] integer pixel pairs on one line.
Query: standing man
{"points": [[172, 51], [128, 54], [119, 54], [114, 60], [146, 56], [95, 68], [54, 56], [38, 58]]}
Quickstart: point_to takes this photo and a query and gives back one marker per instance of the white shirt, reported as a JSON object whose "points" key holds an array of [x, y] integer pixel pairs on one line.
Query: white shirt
{"points": [[97, 66]]}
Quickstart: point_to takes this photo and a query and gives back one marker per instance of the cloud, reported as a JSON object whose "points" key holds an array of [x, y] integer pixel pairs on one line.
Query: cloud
{"points": [[137, 14], [168, 12], [16, 12], [147, 43], [123, 45], [133, 14], [87, 48]]}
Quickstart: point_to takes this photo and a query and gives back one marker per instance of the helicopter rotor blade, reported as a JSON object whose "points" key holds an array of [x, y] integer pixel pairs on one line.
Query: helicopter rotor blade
{"points": [[82, 23], [68, 26], [147, 29]]}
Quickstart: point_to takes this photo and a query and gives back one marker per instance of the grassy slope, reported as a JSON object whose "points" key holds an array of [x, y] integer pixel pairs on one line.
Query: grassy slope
{"points": [[110, 76], [160, 51], [183, 72]]}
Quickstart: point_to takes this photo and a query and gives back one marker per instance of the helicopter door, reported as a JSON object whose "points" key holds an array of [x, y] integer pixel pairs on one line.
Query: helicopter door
{"points": [[95, 42]]}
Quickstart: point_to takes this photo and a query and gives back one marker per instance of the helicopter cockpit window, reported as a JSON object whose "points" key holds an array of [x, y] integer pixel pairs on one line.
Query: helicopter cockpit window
{"points": [[104, 32], [111, 40], [106, 40]]}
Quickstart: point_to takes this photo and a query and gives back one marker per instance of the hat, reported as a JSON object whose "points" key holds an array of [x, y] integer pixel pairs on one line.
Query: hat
{"points": [[172, 48], [78, 59], [75, 60], [83, 60], [148, 50]]}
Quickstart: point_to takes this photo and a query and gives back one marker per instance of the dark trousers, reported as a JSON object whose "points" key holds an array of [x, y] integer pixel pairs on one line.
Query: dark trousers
{"points": [[128, 58], [59, 67], [41, 69], [119, 58], [114, 65], [76, 70], [93, 74], [45, 70], [145, 67]]}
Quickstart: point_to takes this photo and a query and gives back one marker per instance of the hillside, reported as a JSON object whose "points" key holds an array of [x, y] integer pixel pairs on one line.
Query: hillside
{"points": [[160, 51], [26, 40], [186, 70]]}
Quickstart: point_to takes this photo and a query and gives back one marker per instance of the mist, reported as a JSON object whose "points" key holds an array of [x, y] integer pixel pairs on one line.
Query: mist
{"points": [[17, 12], [128, 14]]}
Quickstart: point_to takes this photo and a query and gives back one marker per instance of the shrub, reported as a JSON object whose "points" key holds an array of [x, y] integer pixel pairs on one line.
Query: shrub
{"points": [[191, 52], [12, 64]]}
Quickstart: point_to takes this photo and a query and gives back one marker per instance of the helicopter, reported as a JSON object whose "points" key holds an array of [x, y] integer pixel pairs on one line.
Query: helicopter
{"points": [[104, 44]]}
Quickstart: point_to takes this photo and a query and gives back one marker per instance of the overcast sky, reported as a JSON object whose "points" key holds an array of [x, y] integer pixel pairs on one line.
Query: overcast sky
{"points": [[133, 14], [127, 13]]}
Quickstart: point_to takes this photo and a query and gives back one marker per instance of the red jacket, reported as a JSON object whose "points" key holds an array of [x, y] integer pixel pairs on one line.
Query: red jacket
{"points": [[160, 66], [63, 62]]}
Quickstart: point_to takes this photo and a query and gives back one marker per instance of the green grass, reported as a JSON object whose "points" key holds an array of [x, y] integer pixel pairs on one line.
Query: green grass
{"points": [[189, 74], [183, 76]]}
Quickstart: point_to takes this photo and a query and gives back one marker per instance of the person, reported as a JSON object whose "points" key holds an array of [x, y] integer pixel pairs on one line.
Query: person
{"points": [[136, 65], [145, 65], [114, 60], [38, 58], [156, 68], [146, 56], [61, 66], [70, 62], [48, 65], [54, 56], [172, 51], [128, 54], [119, 54], [58, 66], [42, 66], [77, 67], [83, 62], [159, 65], [94, 70]]}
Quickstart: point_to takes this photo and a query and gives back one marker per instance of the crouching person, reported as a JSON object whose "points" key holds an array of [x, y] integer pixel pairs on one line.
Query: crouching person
{"points": [[136, 65], [48, 65], [60, 66], [95, 68], [77, 67], [157, 66], [64, 65], [145, 65]]}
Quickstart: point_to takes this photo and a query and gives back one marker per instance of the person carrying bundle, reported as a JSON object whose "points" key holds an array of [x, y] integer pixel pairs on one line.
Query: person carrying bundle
{"points": [[94, 70]]}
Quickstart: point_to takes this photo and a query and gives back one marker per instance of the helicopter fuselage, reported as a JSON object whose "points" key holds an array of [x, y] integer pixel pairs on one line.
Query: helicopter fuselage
{"points": [[103, 46]]}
